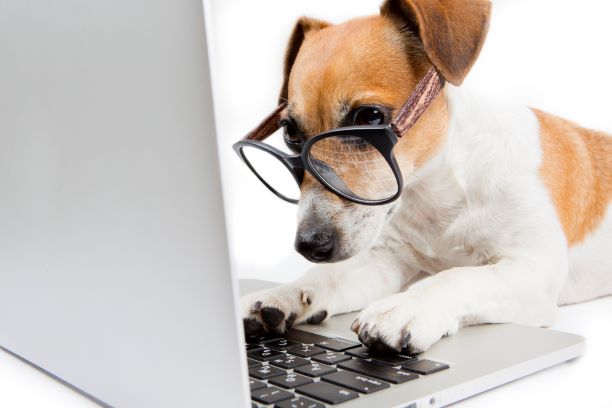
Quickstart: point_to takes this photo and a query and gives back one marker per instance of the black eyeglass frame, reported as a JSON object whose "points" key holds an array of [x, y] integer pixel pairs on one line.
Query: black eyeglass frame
{"points": [[426, 91], [381, 137]]}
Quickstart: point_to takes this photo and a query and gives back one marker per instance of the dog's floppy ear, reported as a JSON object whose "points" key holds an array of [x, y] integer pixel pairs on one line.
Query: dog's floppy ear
{"points": [[452, 31], [303, 27]]}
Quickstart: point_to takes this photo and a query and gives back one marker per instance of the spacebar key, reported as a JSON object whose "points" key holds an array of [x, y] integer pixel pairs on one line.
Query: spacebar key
{"points": [[326, 392]]}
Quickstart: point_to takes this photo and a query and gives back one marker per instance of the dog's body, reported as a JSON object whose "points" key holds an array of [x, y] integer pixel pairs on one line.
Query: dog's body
{"points": [[506, 212]]}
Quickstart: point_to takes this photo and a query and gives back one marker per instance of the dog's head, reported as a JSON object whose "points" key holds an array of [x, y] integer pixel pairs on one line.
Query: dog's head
{"points": [[361, 72]]}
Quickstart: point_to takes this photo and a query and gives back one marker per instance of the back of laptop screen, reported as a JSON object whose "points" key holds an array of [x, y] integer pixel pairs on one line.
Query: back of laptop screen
{"points": [[113, 261]]}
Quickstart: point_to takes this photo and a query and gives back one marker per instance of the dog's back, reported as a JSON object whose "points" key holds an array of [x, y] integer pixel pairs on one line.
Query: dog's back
{"points": [[577, 170]]}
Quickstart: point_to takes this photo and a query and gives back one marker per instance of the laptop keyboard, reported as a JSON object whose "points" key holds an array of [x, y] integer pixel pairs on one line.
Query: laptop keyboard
{"points": [[306, 370]]}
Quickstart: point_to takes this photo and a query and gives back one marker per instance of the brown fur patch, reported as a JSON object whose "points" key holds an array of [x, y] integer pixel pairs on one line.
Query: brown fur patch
{"points": [[303, 26], [363, 61], [577, 169], [452, 31]]}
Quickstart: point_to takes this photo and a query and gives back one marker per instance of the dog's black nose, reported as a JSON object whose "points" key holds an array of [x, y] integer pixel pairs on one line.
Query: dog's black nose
{"points": [[316, 246]]}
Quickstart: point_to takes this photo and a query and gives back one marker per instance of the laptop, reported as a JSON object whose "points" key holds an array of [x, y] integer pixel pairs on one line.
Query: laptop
{"points": [[114, 267]]}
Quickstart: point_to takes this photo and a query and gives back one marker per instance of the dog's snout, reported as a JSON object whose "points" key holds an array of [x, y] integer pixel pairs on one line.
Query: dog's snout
{"points": [[316, 246]]}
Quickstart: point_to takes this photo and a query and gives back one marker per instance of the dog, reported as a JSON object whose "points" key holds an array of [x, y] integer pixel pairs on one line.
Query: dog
{"points": [[506, 212]]}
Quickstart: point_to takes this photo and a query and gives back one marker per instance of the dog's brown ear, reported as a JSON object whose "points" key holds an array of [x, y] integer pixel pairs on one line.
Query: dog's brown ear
{"points": [[452, 31], [303, 27]]}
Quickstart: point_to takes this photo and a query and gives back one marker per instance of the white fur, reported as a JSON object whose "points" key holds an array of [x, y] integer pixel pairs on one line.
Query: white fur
{"points": [[590, 274], [474, 239]]}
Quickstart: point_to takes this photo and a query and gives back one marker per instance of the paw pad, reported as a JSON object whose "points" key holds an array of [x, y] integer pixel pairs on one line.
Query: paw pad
{"points": [[272, 316], [252, 326]]}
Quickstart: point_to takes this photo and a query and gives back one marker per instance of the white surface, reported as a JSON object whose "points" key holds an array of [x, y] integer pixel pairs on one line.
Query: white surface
{"points": [[552, 54], [580, 383]]}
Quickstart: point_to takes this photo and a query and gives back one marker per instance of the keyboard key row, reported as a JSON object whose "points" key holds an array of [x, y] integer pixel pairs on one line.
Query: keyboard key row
{"points": [[290, 380], [315, 369], [255, 385], [355, 381], [386, 359], [263, 354], [424, 367], [299, 402], [326, 392], [280, 344], [337, 344], [331, 358], [392, 375], [263, 372], [270, 395], [288, 361], [305, 350]]}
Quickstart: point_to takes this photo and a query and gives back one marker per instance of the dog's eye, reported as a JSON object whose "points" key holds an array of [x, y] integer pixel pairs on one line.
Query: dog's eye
{"points": [[368, 115], [290, 131]]}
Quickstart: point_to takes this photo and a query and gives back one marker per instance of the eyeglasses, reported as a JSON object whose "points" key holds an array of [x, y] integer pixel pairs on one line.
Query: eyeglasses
{"points": [[356, 162]]}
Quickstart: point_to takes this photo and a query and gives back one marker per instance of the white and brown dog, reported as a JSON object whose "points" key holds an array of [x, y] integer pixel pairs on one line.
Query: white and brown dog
{"points": [[505, 214]]}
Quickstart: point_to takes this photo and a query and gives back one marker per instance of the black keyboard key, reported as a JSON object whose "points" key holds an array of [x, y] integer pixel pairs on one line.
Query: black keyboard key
{"points": [[326, 392], [392, 360], [337, 344], [299, 402], [305, 350], [389, 374], [280, 344], [252, 363], [304, 337], [263, 337], [386, 359], [288, 361], [424, 367], [331, 358], [251, 347], [264, 372], [356, 381], [361, 352], [255, 385], [271, 395], [315, 369], [290, 380], [263, 354]]}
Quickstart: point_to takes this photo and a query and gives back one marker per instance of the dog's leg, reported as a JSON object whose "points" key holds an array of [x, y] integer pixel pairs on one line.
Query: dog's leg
{"points": [[323, 291], [508, 291]]}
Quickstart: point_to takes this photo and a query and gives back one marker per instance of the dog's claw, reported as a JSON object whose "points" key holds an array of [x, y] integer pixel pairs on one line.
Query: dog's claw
{"points": [[256, 307], [317, 318], [364, 335], [405, 340], [290, 321]]}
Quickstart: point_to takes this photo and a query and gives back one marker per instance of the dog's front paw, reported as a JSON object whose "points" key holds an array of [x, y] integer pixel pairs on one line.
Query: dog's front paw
{"points": [[404, 322], [277, 310]]}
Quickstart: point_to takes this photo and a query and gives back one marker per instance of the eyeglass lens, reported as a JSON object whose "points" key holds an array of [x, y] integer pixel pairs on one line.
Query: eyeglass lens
{"points": [[353, 166], [272, 171]]}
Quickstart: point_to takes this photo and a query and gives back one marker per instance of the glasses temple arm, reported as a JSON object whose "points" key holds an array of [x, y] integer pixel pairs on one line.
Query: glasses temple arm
{"points": [[423, 95], [268, 126]]}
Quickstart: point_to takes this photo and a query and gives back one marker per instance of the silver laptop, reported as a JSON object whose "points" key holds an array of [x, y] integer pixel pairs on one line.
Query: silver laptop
{"points": [[114, 270]]}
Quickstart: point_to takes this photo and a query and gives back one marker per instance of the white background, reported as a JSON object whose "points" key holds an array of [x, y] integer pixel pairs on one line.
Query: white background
{"points": [[550, 54]]}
